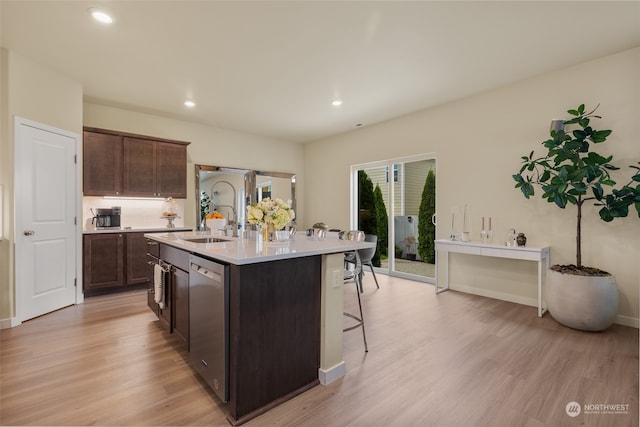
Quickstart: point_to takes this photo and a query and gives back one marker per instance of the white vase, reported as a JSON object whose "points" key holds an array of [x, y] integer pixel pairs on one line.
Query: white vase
{"points": [[586, 303]]}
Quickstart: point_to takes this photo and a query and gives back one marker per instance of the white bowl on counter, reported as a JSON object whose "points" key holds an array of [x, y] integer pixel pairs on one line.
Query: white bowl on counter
{"points": [[216, 225]]}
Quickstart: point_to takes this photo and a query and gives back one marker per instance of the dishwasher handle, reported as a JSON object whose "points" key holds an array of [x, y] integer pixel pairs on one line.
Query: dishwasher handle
{"points": [[207, 273]]}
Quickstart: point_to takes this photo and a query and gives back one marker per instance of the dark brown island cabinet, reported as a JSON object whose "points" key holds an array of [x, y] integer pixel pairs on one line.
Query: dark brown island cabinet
{"points": [[124, 164], [274, 334], [272, 325]]}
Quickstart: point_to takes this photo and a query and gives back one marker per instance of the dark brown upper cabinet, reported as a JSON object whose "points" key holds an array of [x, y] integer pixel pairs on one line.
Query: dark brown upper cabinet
{"points": [[102, 165], [137, 166]]}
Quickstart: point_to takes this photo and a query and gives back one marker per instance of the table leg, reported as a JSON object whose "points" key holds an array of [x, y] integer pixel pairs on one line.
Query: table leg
{"points": [[541, 308], [446, 273]]}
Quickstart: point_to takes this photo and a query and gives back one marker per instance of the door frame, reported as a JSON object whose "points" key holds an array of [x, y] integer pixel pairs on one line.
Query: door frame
{"points": [[353, 206], [17, 127]]}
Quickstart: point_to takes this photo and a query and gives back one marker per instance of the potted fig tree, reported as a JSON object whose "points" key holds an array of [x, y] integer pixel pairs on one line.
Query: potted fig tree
{"points": [[571, 173]]}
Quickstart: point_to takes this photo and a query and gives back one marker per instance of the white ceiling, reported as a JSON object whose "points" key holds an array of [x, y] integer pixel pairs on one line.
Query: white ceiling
{"points": [[272, 68]]}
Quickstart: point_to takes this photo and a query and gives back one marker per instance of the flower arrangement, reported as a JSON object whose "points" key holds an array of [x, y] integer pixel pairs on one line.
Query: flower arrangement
{"points": [[271, 212]]}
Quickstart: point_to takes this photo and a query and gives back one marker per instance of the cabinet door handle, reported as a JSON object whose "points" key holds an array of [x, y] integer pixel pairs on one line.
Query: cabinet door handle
{"points": [[28, 232], [152, 243]]}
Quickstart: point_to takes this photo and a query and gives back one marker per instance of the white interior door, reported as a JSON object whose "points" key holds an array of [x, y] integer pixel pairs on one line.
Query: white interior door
{"points": [[45, 186]]}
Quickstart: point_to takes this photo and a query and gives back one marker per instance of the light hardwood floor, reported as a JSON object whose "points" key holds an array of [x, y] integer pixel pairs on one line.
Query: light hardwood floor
{"points": [[447, 360]]}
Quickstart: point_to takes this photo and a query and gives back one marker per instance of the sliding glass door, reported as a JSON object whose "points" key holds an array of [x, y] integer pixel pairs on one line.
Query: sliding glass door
{"points": [[395, 200]]}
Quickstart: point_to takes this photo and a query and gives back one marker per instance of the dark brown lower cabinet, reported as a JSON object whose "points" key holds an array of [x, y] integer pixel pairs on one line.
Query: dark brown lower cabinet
{"points": [[103, 262], [136, 254], [114, 262]]}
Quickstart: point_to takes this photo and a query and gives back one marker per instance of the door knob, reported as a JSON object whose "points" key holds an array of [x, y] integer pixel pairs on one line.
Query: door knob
{"points": [[28, 232]]}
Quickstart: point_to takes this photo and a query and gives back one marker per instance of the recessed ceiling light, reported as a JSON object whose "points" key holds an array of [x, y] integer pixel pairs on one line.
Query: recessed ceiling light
{"points": [[100, 16], [336, 102], [189, 104]]}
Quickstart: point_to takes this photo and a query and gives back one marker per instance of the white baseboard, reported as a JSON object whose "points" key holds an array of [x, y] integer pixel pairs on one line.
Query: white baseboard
{"points": [[628, 321], [330, 375], [533, 302], [9, 323]]}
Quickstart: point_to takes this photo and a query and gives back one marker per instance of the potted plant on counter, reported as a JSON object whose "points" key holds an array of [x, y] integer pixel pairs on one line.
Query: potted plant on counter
{"points": [[578, 296]]}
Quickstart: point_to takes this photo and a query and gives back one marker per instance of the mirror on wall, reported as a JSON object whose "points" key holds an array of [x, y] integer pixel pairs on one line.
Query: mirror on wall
{"points": [[275, 185], [222, 189], [230, 190]]}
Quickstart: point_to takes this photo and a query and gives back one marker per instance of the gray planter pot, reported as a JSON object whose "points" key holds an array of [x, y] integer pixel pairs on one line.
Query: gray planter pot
{"points": [[586, 303]]}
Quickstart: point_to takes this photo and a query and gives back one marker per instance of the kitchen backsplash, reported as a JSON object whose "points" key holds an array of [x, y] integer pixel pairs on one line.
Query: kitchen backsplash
{"points": [[136, 213]]}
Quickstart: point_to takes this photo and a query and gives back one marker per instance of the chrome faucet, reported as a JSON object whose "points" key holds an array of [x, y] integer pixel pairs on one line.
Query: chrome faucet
{"points": [[231, 222]]}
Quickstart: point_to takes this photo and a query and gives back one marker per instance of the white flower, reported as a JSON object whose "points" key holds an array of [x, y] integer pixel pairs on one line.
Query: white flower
{"points": [[268, 211]]}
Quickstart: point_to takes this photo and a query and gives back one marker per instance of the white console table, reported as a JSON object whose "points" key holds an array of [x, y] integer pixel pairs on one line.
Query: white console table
{"points": [[527, 253]]}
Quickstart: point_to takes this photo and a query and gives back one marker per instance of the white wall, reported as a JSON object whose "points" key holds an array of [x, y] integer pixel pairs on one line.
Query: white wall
{"points": [[209, 146], [35, 92], [478, 143]]}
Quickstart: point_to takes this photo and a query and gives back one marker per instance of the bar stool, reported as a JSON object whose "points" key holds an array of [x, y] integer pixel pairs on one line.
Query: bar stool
{"points": [[354, 274]]}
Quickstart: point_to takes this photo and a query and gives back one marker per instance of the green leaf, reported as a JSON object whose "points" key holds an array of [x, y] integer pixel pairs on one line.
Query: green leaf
{"points": [[598, 192], [580, 187], [584, 147], [600, 135], [580, 135], [581, 109], [560, 201], [605, 215], [545, 176], [573, 112], [527, 190], [572, 199]]}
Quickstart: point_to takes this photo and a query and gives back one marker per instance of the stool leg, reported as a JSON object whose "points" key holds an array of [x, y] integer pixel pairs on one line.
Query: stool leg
{"points": [[374, 275], [364, 336]]}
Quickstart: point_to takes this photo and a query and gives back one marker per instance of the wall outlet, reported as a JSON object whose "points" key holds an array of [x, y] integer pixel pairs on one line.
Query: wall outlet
{"points": [[338, 278]]}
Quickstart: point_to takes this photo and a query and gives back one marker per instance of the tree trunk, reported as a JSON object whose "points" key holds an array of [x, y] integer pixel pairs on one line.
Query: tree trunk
{"points": [[579, 235]]}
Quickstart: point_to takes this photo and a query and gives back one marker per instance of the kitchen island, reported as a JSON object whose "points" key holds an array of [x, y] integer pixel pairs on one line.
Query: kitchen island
{"points": [[285, 304]]}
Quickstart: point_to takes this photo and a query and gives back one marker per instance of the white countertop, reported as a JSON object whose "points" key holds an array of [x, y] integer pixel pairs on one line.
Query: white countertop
{"points": [[134, 230], [241, 251]]}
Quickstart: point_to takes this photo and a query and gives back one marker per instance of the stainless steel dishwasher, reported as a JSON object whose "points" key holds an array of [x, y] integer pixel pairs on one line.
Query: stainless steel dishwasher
{"points": [[209, 322]]}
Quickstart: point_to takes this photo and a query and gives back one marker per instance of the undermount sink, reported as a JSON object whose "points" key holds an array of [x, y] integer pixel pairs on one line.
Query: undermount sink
{"points": [[204, 239]]}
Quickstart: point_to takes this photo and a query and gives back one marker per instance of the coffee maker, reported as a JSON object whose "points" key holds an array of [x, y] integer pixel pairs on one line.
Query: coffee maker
{"points": [[107, 217]]}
